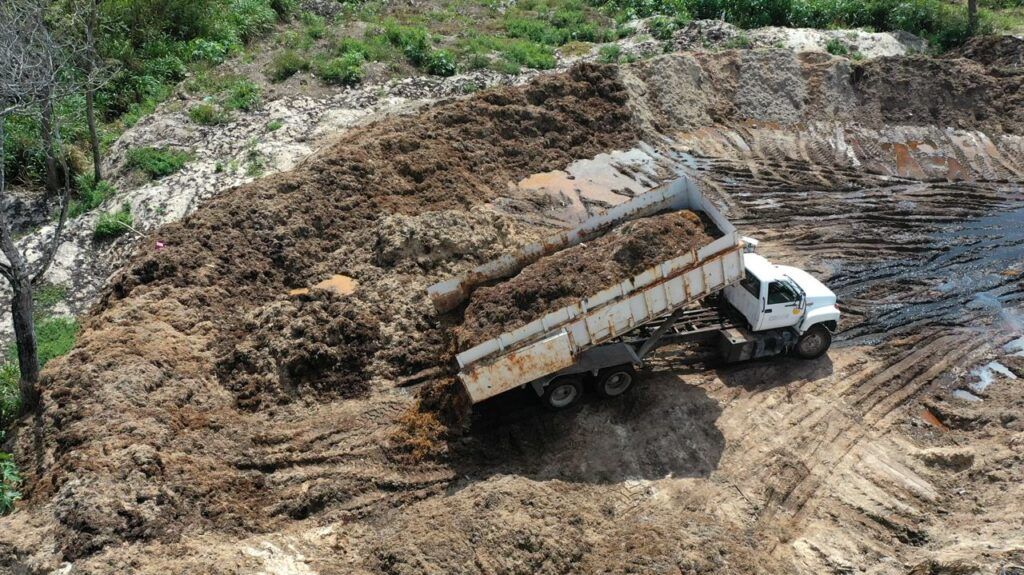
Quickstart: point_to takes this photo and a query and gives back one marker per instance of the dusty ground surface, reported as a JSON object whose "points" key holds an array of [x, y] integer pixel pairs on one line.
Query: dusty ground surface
{"points": [[201, 424], [572, 274]]}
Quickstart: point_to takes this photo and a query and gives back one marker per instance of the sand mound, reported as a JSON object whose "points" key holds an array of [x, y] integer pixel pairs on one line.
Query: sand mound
{"points": [[572, 274]]}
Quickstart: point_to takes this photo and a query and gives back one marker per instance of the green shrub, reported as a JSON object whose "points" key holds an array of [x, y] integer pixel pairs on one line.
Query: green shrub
{"points": [[836, 47], [10, 480], [286, 64], [10, 394], [315, 26], [250, 18], [112, 225], [529, 54], [285, 8], [274, 125], [55, 336], [478, 61], [739, 41], [90, 195], [208, 114], [244, 95], [662, 27], [609, 53], [157, 162], [346, 70], [414, 41], [440, 63], [632, 9]]}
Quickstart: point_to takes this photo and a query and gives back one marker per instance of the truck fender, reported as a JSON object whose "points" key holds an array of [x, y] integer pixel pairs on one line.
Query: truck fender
{"points": [[827, 315]]}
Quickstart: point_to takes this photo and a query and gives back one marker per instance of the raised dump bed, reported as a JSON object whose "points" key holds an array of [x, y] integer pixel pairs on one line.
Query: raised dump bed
{"points": [[555, 341]]}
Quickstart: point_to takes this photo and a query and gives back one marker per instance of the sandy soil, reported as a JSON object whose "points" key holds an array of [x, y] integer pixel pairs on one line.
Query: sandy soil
{"points": [[202, 423]]}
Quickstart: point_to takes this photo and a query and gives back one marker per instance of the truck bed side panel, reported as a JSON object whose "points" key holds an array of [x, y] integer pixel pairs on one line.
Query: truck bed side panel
{"points": [[489, 378]]}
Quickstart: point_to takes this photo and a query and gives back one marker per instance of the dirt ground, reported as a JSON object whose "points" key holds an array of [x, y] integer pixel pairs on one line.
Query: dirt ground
{"points": [[209, 422]]}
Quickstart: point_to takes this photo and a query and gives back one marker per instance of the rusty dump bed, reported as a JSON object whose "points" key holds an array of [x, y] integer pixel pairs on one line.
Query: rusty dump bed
{"points": [[553, 342]]}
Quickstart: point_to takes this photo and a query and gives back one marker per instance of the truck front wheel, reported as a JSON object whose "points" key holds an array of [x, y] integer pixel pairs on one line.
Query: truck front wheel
{"points": [[562, 393], [814, 342], [615, 381]]}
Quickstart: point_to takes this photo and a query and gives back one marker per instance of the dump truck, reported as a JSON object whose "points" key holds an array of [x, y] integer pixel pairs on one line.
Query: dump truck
{"points": [[722, 293]]}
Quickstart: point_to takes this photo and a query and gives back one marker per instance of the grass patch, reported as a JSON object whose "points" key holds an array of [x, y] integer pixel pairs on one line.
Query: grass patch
{"points": [[287, 64], [346, 70], [208, 114], [111, 225], [440, 63], [274, 125], [90, 195], [10, 481], [243, 94], [157, 162], [738, 42], [55, 336], [662, 27], [609, 54], [836, 47]]}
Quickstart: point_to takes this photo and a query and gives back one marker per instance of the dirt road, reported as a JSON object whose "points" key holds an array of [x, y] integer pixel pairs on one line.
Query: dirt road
{"points": [[203, 423]]}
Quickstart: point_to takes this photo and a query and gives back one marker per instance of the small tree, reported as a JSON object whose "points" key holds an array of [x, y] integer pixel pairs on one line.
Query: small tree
{"points": [[84, 19], [32, 63]]}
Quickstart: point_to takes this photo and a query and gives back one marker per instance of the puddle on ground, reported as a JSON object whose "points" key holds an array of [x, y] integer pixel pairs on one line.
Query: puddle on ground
{"points": [[986, 375], [965, 395], [1016, 347]]}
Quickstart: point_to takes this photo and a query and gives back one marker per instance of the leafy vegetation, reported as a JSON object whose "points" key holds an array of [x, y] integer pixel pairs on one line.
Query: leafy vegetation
{"points": [[836, 47], [287, 64], [111, 225], [609, 54], [10, 480], [157, 162], [208, 114], [55, 336], [440, 63], [345, 70], [90, 195]]}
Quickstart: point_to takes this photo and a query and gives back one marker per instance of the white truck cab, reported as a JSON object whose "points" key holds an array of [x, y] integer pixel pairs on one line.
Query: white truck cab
{"points": [[775, 297]]}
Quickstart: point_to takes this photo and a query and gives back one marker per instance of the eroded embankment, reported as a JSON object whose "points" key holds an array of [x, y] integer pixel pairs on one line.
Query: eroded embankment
{"points": [[202, 398]]}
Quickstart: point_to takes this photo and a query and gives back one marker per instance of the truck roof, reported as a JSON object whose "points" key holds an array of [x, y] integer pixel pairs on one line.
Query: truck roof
{"points": [[760, 267]]}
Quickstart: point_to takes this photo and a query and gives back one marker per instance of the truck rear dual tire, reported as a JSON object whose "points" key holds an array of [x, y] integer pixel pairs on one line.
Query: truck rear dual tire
{"points": [[814, 342], [562, 393], [615, 381]]}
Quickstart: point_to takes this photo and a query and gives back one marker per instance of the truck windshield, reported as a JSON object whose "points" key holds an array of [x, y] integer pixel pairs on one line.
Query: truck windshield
{"points": [[782, 292]]}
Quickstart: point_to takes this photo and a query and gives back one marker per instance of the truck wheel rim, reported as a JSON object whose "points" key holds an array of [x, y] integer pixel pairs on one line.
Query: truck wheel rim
{"points": [[617, 383], [563, 395], [812, 343]]}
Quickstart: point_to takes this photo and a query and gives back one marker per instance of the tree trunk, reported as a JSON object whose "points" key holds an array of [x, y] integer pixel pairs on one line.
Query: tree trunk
{"points": [[972, 16], [90, 115], [25, 336], [46, 133]]}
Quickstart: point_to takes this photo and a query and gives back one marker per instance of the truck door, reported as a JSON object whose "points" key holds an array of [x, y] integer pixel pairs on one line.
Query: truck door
{"points": [[746, 297], [782, 308]]}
